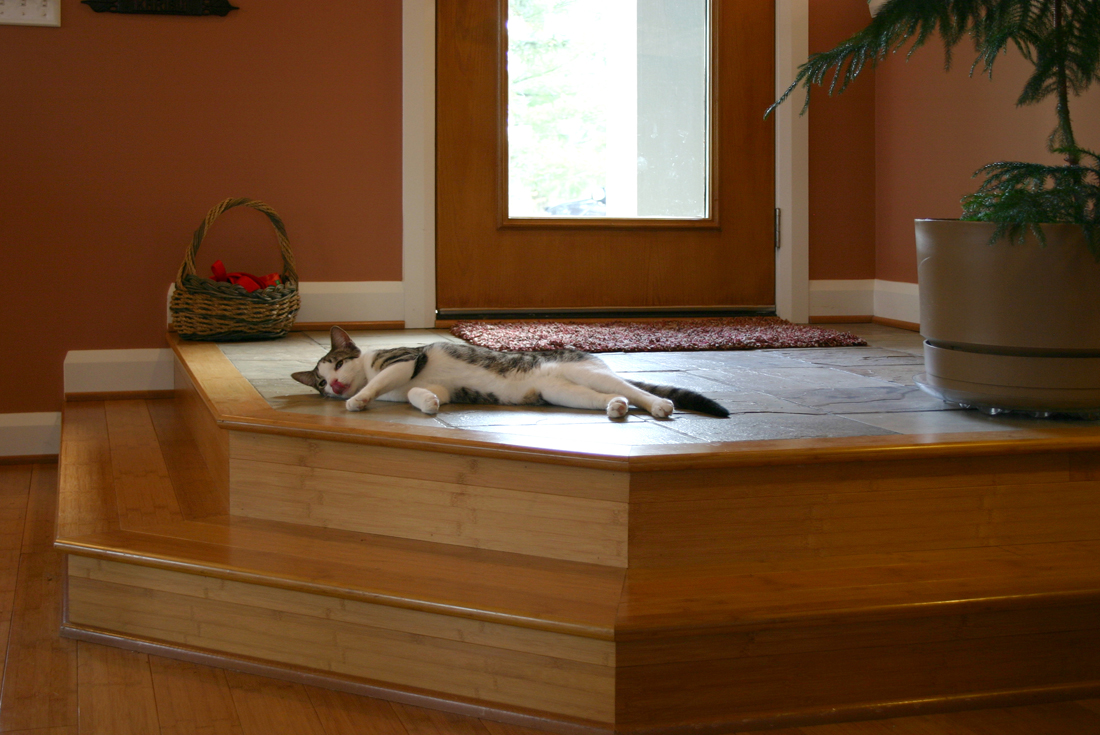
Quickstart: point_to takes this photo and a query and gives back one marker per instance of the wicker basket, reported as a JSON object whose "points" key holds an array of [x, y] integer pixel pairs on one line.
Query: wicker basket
{"points": [[203, 309]]}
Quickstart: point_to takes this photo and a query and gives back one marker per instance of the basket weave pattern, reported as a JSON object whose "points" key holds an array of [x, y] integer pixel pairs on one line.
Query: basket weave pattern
{"points": [[203, 309]]}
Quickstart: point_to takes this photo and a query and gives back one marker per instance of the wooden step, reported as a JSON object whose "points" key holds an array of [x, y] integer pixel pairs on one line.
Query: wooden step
{"points": [[849, 635], [708, 503], [746, 593], [476, 625]]}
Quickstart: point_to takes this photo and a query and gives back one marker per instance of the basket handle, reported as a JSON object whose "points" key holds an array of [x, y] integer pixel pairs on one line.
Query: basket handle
{"points": [[188, 267]]}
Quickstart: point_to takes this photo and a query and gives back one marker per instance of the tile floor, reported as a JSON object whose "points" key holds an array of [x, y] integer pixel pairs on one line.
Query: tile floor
{"points": [[771, 394]]}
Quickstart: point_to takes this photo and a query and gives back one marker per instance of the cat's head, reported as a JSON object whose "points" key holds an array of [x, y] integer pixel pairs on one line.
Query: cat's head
{"points": [[338, 374]]}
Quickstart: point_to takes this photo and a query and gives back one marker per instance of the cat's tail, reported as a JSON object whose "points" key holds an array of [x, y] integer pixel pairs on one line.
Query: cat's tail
{"points": [[684, 399]]}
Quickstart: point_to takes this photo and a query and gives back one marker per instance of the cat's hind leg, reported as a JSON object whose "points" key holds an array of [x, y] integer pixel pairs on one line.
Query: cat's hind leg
{"points": [[430, 398], [605, 381], [572, 395]]}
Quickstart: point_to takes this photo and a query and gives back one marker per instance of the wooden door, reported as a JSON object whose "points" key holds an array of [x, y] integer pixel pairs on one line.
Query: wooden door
{"points": [[488, 264]]}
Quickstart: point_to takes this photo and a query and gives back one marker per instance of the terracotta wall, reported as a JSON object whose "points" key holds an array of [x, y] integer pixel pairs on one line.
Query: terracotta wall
{"points": [[120, 132], [842, 156], [935, 128]]}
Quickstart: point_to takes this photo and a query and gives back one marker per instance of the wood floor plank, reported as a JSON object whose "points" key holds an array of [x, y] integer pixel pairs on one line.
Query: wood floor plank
{"points": [[1062, 718], [15, 482], [40, 687], [40, 677], [901, 726], [421, 721], [270, 707], [39, 526], [196, 489], [192, 698], [503, 728], [349, 714], [115, 692], [87, 491], [1091, 704], [143, 487]]}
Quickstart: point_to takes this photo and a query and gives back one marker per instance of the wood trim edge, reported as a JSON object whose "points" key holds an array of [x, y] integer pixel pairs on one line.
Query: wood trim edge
{"points": [[881, 711], [851, 319], [328, 680], [350, 326], [896, 323], [121, 395], [28, 459]]}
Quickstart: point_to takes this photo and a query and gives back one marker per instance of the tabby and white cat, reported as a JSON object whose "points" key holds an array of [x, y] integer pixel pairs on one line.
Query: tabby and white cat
{"points": [[446, 372]]}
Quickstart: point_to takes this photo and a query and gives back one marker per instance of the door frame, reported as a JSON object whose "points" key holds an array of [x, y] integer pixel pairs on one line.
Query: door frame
{"points": [[792, 280]]}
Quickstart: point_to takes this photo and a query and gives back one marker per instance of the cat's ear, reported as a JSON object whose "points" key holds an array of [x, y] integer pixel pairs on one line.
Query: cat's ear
{"points": [[340, 338], [306, 377]]}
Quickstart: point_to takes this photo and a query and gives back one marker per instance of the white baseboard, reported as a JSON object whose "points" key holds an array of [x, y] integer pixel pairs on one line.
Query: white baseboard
{"points": [[333, 302], [30, 434], [113, 371], [352, 301], [866, 297], [842, 298], [898, 301]]}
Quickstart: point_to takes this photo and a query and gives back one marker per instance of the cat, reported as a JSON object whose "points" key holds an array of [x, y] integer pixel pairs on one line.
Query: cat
{"points": [[450, 372]]}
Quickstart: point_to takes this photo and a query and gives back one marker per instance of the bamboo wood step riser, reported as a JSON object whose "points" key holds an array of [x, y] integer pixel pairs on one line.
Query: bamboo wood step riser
{"points": [[553, 512], [502, 666], [751, 675], [689, 517]]}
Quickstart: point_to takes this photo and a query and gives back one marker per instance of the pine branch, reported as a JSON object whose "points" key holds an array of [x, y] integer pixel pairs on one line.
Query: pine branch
{"points": [[1022, 196]]}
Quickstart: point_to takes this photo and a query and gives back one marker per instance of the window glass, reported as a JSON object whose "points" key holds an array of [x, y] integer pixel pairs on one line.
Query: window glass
{"points": [[608, 108]]}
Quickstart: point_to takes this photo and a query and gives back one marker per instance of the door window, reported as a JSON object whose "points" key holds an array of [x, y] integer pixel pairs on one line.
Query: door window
{"points": [[608, 109]]}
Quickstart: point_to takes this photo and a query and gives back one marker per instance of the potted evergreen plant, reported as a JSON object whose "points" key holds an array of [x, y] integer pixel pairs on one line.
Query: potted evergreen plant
{"points": [[1010, 293]]}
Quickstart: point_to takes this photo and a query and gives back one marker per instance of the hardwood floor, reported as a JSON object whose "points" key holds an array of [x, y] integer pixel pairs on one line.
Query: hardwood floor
{"points": [[56, 686]]}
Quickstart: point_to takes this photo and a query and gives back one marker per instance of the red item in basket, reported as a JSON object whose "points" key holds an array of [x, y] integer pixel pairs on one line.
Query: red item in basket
{"points": [[247, 281]]}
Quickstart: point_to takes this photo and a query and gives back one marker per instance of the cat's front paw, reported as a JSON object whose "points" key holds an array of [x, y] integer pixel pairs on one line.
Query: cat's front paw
{"points": [[356, 404], [617, 407], [662, 408]]}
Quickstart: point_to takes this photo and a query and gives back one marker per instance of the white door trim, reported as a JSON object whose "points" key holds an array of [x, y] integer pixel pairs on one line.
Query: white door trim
{"points": [[792, 166], [418, 161]]}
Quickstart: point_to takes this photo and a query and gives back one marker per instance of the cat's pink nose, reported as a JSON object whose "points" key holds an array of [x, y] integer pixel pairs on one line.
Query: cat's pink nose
{"points": [[338, 387]]}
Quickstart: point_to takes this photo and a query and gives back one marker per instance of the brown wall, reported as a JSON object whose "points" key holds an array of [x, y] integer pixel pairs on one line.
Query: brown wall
{"points": [[842, 156], [120, 132], [935, 128]]}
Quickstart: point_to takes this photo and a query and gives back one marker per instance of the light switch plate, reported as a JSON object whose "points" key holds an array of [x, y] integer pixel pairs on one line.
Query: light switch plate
{"points": [[30, 12]]}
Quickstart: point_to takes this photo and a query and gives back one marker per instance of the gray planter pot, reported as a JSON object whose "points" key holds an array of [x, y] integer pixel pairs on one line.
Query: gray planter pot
{"points": [[1009, 326]]}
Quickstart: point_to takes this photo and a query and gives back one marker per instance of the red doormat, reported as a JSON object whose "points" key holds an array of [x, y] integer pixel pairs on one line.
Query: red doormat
{"points": [[672, 335]]}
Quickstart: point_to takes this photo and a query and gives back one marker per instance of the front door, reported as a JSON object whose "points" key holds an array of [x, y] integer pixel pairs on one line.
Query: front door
{"points": [[522, 237]]}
